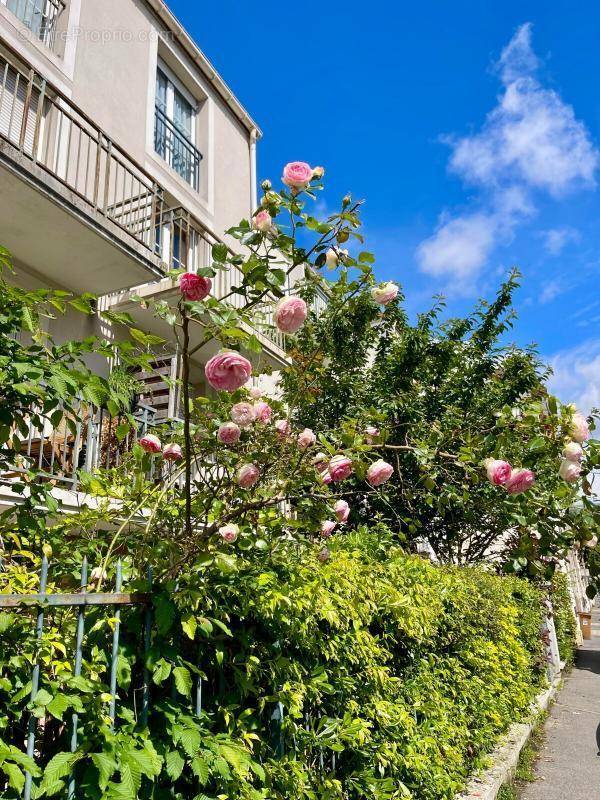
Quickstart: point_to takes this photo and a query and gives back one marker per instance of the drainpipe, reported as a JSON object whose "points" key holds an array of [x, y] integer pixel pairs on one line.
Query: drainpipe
{"points": [[253, 179]]}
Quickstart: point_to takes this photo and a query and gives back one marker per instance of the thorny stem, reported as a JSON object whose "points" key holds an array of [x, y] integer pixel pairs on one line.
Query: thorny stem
{"points": [[185, 376]]}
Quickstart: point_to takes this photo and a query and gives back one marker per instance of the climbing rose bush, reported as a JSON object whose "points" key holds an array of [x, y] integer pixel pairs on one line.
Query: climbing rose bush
{"points": [[420, 427]]}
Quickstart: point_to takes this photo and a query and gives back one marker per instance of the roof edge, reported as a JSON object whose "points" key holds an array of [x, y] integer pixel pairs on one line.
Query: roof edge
{"points": [[172, 23]]}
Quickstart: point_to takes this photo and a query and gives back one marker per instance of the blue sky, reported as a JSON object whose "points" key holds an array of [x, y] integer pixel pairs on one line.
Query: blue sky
{"points": [[472, 130]]}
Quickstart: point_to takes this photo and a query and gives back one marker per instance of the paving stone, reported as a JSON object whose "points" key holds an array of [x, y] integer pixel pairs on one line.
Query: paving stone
{"points": [[568, 767]]}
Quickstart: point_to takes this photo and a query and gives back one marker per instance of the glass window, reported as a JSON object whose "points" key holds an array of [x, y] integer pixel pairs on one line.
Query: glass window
{"points": [[175, 130]]}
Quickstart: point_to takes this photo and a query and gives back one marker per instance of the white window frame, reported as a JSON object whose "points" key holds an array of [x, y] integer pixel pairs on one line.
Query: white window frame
{"points": [[174, 83]]}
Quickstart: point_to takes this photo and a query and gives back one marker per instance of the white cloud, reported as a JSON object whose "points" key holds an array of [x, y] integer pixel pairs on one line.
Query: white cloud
{"points": [[551, 291], [576, 377], [556, 239], [465, 242], [531, 142]]}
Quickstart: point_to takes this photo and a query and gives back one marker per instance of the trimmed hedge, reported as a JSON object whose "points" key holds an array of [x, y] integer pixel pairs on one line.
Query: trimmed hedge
{"points": [[413, 669], [404, 672]]}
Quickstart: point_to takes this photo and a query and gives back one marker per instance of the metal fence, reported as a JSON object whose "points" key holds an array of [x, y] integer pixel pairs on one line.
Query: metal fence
{"points": [[83, 604], [81, 601]]}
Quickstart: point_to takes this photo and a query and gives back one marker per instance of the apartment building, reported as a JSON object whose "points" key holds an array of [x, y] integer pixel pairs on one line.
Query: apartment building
{"points": [[123, 154]]}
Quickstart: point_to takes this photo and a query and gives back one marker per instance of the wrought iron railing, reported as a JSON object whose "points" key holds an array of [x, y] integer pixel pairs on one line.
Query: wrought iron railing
{"points": [[40, 16], [176, 149], [57, 136]]}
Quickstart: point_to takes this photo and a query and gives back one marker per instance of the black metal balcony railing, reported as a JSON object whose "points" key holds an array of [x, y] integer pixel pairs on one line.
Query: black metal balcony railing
{"points": [[57, 136], [179, 153], [40, 16]]}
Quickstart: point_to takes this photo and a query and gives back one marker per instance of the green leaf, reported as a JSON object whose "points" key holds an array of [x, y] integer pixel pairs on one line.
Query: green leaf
{"points": [[200, 770], [147, 339], [164, 613], [42, 698], [183, 680], [58, 706], [16, 778], [174, 763], [106, 766], [161, 672], [58, 768], [189, 625], [190, 740]]}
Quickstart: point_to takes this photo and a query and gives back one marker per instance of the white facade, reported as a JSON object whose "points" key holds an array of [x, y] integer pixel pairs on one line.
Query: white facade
{"points": [[123, 154]]}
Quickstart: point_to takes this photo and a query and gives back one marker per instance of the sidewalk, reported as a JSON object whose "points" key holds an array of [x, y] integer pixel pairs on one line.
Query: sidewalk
{"points": [[568, 766]]}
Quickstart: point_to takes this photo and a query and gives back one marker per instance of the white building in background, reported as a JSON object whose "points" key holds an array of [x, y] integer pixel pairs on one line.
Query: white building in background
{"points": [[123, 154]]}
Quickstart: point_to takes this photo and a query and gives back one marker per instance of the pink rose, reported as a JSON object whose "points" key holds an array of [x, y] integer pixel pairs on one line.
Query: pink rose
{"points": [[569, 471], [379, 472], [297, 175], [290, 314], [283, 428], [371, 433], [340, 468], [579, 428], [520, 481], [263, 412], [243, 414], [194, 287], [227, 371], [172, 452], [229, 433], [150, 443], [262, 221], [247, 476], [498, 472], [255, 393], [327, 528], [573, 451], [324, 555], [385, 293], [321, 465], [342, 510], [306, 439], [229, 533]]}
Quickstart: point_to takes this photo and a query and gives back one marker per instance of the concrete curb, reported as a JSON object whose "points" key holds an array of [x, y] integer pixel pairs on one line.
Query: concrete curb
{"points": [[505, 757]]}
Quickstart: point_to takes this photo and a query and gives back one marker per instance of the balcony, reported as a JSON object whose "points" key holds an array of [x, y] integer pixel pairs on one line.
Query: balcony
{"points": [[83, 442], [40, 16], [183, 242], [59, 170], [75, 208]]}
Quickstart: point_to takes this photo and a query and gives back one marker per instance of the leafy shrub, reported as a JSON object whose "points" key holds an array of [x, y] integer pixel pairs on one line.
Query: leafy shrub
{"points": [[564, 619], [398, 673]]}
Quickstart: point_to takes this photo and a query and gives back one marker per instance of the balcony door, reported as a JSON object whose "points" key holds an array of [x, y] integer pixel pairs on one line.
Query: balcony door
{"points": [[175, 129]]}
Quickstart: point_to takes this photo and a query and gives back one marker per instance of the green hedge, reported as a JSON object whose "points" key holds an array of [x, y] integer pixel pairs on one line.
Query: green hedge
{"points": [[564, 619], [405, 672]]}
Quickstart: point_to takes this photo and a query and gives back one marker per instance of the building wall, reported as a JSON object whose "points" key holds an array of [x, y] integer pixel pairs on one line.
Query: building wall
{"points": [[119, 46]]}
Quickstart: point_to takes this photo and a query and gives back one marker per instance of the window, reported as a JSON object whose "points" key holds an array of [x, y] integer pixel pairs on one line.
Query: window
{"points": [[40, 16], [175, 130]]}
